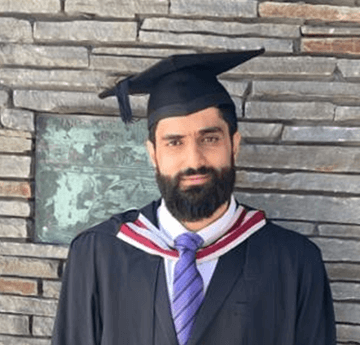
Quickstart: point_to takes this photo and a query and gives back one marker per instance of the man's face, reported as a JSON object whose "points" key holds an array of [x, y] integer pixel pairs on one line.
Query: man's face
{"points": [[194, 157]]}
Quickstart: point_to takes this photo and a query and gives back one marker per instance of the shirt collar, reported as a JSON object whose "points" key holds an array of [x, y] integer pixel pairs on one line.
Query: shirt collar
{"points": [[172, 228]]}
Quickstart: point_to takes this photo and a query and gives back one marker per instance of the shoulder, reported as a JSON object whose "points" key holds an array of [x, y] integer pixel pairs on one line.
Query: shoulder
{"points": [[106, 231], [272, 237], [278, 236], [281, 234], [277, 245]]}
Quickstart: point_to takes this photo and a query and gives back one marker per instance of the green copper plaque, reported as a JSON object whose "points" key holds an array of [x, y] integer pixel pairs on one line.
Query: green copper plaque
{"points": [[87, 169]]}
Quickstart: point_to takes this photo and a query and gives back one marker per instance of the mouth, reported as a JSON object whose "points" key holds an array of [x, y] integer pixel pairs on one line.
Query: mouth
{"points": [[194, 180]]}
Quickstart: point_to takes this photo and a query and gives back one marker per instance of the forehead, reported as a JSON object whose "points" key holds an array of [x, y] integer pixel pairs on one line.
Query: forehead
{"points": [[192, 124]]}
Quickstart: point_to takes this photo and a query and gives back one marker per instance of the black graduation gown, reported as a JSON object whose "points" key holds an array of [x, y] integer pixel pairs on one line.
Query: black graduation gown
{"points": [[272, 289]]}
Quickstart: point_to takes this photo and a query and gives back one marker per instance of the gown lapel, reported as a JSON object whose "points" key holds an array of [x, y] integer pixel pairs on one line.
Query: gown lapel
{"points": [[162, 308], [228, 270]]}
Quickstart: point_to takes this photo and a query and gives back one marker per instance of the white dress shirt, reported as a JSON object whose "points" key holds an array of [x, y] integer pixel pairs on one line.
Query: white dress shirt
{"points": [[172, 228]]}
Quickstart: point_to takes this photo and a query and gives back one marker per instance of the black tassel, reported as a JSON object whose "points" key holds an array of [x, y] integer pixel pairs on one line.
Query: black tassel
{"points": [[122, 95], [107, 93], [121, 92]]}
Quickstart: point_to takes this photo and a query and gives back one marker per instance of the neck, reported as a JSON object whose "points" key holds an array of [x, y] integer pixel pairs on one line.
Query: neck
{"points": [[202, 223]]}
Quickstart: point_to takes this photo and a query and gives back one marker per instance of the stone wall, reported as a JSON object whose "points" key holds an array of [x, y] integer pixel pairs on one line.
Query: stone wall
{"points": [[298, 109]]}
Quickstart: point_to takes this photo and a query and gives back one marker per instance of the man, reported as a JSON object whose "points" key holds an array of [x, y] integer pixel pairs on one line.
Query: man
{"points": [[195, 267]]}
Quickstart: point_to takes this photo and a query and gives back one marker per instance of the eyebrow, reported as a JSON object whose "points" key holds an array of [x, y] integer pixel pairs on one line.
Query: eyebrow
{"points": [[203, 131], [172, 137], [211, 130]]}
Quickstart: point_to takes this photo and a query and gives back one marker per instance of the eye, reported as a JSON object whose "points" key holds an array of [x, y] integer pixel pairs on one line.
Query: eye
{"points": [[211, 139], [174, 142]]}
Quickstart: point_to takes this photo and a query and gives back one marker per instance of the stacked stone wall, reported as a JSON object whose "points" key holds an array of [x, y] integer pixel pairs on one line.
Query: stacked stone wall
{"points": [[298, 109]]}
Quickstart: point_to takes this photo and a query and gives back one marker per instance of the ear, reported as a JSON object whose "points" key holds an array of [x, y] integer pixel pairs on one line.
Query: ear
{"points": [[236, 144], [151, 151]]}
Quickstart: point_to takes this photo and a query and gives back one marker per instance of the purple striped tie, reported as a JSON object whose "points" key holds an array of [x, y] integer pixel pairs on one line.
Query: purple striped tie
{"points": [[188, 286]]}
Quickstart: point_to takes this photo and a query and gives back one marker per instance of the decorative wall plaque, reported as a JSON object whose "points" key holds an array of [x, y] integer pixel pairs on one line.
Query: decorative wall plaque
{"points": [[87, 169]]}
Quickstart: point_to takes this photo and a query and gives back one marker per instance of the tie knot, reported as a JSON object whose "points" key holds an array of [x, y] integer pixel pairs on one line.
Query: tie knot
{"points": [[188, 241]]}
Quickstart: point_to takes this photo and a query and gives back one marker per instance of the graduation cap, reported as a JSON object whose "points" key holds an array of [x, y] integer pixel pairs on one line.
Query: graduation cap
{"points": [[180, 85]]}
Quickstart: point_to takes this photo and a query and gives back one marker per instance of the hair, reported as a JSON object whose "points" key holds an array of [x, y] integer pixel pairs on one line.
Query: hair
{"points": [[226, 112]]}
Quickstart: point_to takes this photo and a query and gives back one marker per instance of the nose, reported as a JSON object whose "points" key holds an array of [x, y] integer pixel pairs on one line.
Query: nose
{"points": [[194, 156]]}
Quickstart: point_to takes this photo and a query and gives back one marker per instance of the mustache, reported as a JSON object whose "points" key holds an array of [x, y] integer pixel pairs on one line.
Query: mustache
{"points": [[200, 171]]}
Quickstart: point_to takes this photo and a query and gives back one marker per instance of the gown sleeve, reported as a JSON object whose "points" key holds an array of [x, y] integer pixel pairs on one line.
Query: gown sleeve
{"points": [[78, 320], [315, 324]]}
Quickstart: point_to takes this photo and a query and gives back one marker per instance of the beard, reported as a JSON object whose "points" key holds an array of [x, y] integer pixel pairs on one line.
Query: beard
{"points": [[197, 202]]}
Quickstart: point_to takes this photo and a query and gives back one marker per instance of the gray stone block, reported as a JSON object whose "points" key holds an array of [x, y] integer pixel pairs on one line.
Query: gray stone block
{"points": [[88, 31], [9, 340], [15, 208], [339, 230], [226, 8], [4, 97], [83, 80], [343, 271], [42, 326], [349, 68], [321, 134], [14, 324], [217, 42], [238, 105], [300, 227], [121, 64], [347, 312], [290, 110], [15, 166], [347, 113], [65, 102], [51, 289], [15, 30], [259, 130], [17, 119], [223, 28], [348, 333], [300, 181], [13, 228], [55, 56], [306, 208], [338, 249], [117, 9], [44, 251], [298, 66], [313, 158], [13, 133], [27, 305], [24, 267], [334, 90], [235, 88], [345, 291], [309, 30], [139, 51], [11, 145], [30, 6]]}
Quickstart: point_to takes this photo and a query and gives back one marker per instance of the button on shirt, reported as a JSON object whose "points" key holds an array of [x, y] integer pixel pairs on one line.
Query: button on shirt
{"points": [[171, 228]]}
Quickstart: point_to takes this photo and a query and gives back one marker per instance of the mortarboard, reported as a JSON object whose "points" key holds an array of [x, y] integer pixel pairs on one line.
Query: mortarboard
{"points": [[180, 85]]}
